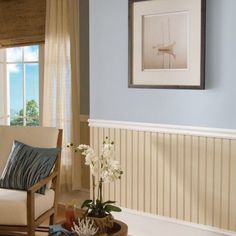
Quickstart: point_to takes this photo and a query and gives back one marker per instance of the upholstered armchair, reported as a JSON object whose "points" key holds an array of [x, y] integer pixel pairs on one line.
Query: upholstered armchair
{"points": [[24, 210]]}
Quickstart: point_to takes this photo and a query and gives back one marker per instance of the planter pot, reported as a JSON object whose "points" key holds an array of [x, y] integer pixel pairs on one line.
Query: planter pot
{"points": [[119, 229], [108, 226], [103, 224]]}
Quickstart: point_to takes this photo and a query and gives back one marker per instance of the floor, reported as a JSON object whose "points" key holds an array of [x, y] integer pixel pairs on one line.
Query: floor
{"points": [[142, 224], [75, 197], [139, 224]]}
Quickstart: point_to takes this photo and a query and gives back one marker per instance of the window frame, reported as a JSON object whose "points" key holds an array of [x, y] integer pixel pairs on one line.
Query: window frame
{"points": [[40, 62]]}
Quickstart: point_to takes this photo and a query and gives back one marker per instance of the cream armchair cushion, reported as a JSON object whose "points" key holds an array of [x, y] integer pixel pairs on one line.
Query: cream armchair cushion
{"points": [[13, 206]]}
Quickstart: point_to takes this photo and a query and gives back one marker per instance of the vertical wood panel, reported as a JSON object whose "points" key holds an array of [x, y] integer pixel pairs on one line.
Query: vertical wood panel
{"points": [[118, 157], [217, 182], [195, 179], [182, 176], [147, 172], [225, 184], [124, 168], [209, 181], [160, 178], [84, 139], [167, 180], [173, 173], [154, 182], [106, 134], [232, 213], [129, 168], [135, 171], [96, 139], [202, 180], [141, 165], [112, 189], [181, 161], [187, 178]]}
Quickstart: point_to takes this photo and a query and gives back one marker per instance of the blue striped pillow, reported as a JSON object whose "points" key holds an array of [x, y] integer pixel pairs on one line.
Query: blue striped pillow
{"points": [[27, 165]]}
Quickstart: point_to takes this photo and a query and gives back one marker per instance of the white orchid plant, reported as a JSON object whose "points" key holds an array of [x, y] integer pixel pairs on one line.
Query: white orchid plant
{"points": [[108, 169]]}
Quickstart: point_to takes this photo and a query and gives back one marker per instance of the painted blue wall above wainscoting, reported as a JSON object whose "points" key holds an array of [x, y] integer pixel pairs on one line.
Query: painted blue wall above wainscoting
{"points": [[110, 97]]}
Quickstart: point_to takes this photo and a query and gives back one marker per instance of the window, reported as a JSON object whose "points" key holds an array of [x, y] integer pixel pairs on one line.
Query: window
{"points": [[22, 75]]}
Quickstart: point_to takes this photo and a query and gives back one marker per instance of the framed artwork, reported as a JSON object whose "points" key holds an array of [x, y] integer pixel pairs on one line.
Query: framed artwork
{"points": [[167, 44]]}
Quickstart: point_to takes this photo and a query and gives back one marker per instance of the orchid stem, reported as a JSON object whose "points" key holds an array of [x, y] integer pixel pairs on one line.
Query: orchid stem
{"points": [[100, 189], [93, 180]]}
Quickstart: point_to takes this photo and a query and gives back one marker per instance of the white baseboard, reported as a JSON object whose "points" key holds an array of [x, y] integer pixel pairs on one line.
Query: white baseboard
{"points": [[162, 128], [147, 217]]}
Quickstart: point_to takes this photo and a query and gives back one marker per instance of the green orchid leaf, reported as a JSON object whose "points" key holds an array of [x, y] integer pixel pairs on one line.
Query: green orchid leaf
{"points": [[109, 202], [109, 208], [86, 203], [99, 204]]}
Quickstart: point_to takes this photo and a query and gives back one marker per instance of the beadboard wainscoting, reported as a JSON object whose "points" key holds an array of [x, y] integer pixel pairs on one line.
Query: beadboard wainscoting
{"points": [[180, 172], [84, 138]]}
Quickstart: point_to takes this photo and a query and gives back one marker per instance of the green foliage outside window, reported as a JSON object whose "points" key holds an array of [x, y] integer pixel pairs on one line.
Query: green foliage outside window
{"points": [[32, 115]]}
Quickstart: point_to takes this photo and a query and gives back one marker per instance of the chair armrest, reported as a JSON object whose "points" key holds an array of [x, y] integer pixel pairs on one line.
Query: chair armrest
{"points": [[31, 197], [42, 182]]}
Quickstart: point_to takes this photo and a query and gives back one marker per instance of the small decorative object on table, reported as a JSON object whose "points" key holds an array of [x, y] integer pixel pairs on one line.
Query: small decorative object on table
{"points": [[97, 218], [70, 214], [85, 227]]}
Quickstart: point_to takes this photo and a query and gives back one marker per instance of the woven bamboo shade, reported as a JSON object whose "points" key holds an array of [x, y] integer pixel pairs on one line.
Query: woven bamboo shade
{"points": [[22, 22]]}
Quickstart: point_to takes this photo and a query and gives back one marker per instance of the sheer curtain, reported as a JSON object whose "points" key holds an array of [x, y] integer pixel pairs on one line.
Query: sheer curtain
{"points": [[61, 105], [3, 89]]}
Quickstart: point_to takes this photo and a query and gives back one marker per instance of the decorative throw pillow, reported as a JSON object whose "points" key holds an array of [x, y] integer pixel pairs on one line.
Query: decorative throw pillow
{"points": [[27, 165]]}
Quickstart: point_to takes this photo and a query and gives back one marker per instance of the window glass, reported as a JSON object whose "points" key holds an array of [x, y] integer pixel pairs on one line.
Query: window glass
{"points": [[31, 53], [14, 54], [15, 78], [32, 93]]}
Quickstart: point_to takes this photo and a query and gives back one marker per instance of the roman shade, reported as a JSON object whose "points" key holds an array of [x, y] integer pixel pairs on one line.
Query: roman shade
{"points": [[22, 22]]}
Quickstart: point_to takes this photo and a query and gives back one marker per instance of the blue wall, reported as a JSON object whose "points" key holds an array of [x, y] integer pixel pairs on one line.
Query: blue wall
{"points": [[110, 97]]}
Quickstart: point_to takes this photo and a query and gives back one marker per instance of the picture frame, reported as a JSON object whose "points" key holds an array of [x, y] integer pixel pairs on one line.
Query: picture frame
{"points": [[167, 44]]}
